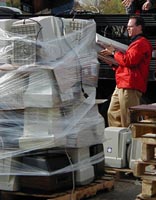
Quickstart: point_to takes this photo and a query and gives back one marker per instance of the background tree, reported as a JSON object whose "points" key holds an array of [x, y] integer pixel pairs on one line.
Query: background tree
{"points": [[13, 3], [102, 6]]}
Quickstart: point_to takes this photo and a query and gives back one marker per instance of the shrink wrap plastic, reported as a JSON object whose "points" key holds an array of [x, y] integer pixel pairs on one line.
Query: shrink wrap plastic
{"points": [[48, 80]]}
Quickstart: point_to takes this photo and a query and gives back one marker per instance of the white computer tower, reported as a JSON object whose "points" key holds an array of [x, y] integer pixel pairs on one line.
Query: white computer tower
{"points": [[116, 142], [135, 149]]}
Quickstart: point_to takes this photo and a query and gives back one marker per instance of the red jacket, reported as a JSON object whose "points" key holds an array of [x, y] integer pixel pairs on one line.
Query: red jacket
{"points": [[133, 69]]}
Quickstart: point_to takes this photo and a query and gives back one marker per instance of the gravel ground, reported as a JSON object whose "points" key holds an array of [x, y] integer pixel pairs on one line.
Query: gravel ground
{"points": [[123, 190]]}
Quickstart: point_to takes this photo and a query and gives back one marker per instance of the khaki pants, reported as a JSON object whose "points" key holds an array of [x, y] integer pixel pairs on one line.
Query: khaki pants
{"points": [[118, 111]]}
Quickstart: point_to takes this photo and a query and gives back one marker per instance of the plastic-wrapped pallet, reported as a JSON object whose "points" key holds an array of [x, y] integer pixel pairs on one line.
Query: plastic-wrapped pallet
{"points": [[51, 77]]}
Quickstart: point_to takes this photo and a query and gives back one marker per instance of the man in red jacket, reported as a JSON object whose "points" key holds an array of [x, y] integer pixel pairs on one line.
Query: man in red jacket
{"points": [[131, 74]]}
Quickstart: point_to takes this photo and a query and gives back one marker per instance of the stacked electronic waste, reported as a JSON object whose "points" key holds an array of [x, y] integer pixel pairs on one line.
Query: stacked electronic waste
{"points": [[50, 130]]}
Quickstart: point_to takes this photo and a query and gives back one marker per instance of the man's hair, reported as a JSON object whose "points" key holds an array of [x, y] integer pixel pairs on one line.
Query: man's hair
{"points": [[139, 21]]}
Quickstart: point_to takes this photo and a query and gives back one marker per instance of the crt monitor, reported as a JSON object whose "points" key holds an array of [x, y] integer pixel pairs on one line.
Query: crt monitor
{"points": [[31, 34]]}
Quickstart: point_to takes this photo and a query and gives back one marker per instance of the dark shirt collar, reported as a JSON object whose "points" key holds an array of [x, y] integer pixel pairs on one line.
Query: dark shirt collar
{"points": [[134, 38]]}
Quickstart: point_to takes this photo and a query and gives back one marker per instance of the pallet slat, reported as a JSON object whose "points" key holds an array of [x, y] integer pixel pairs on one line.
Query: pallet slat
{"points": [[145, 197], [150, 141], [139, 129], [145, 170], [149, 187], [144, 111], [119, 173], [148, 152]]}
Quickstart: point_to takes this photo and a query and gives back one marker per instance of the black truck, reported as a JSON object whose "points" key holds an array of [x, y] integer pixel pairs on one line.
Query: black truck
{"points": [[113, 26]]}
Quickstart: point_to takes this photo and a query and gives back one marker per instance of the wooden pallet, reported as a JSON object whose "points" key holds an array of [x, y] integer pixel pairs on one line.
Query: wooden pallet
{"points": [[145, 170], [143, 113], [119, 173], [143, 126], [140, 129], [145, 197], [148, 152], [148, 190], [102, 184]]}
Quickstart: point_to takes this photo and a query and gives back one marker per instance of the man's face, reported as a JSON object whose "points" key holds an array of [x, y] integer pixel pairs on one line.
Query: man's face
{"points": [[132, 28]]}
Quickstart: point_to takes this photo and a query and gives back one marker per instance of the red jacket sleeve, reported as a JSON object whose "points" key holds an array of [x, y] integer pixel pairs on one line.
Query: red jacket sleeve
{"points": [[131, 58]]}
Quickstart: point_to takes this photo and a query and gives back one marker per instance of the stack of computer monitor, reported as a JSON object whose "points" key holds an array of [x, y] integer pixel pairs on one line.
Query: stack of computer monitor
{"points": [[55, 74]]}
